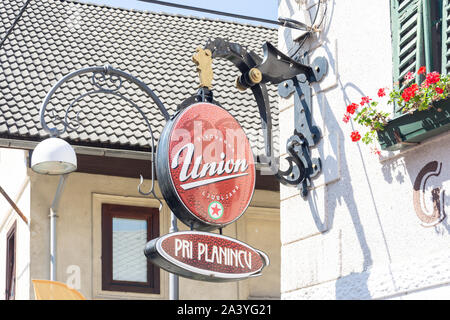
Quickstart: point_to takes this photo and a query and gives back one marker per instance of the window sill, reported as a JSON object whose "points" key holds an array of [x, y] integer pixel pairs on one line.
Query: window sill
{"points": [[412, 129]]}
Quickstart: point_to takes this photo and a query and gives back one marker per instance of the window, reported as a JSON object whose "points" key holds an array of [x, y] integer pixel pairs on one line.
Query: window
{"points": [[125, 231], [10, 292], [419, 36]]}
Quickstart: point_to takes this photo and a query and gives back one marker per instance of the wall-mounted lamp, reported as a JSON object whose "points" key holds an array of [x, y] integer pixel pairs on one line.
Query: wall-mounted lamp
{"points": [[53, 156]]}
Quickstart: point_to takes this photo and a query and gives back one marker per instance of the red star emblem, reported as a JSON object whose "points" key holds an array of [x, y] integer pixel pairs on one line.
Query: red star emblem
{"points": [[215, 210]]}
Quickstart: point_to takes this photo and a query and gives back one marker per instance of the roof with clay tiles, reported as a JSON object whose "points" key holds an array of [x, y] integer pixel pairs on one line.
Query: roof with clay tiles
{"points": [[56, 37]]}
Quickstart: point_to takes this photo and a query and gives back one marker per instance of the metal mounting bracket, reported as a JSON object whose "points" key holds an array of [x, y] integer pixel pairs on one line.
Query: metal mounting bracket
{"points": [[294, 76], [305, 131]]}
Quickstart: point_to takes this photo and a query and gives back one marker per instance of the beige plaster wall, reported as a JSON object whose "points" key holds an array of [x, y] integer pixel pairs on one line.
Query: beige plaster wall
{"points": [[79, 237]]}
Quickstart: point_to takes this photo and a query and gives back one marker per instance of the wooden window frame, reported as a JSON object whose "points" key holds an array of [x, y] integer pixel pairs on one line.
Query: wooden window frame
{"points": [[11, 270], [151, 215]]}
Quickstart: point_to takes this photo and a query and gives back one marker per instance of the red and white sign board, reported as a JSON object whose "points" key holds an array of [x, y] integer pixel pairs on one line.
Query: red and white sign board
{"points": [[206, 256], [205, 167]]}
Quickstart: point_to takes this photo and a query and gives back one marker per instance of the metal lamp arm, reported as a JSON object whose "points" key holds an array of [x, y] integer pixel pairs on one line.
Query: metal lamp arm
{"points": [[105, 70], [115, 77]]}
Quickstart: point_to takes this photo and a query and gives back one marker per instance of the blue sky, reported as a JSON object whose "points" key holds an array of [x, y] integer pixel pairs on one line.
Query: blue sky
{"points": [[266, 9]]}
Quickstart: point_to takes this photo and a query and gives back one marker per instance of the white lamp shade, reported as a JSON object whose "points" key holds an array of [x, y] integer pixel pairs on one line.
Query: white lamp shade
{"points": [[53, 156]]}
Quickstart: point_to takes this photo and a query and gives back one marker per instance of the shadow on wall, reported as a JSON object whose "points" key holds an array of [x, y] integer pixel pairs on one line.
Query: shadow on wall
{"points": [[390, 167], [287, 34], [353, 286]]}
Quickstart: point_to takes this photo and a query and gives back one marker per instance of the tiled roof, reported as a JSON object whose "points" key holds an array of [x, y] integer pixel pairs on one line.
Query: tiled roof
{"points": [[56, 37], [8, 12]]}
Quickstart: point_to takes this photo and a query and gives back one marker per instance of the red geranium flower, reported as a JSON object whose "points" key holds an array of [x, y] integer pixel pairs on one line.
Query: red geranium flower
{"points": [[346, 118], [439, 90], [421, 70], [410, 92], [381, 92], [375, 150], [355, 136], [351, 108], [433, 77], [365, 100], [409, 76]]}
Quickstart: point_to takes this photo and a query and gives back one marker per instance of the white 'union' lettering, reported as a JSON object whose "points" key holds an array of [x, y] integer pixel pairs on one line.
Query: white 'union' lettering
{"points": [[211, 169]]}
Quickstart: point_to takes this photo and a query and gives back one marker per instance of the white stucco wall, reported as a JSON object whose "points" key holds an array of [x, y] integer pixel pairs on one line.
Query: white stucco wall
{"points": [[15, 182], [357, 235]]}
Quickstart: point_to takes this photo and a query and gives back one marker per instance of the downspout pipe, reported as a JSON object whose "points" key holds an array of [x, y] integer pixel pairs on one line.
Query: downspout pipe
{"points": [[53, 215], [173, 278]]}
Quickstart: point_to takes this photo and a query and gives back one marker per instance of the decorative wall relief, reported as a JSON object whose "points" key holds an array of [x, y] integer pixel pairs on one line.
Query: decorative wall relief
{"points": [[429, 215]]}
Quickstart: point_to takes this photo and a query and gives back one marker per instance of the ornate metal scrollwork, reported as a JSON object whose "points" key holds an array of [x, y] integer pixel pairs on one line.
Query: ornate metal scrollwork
{"points": [[293, 77], [100, 79], [105, 80]]}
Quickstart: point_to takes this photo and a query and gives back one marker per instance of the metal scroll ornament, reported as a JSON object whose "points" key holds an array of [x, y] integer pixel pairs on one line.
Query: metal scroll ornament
{"points": [[293, 77], [108, 81]]}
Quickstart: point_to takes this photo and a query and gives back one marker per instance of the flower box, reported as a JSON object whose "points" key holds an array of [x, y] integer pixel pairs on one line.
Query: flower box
{"points": [[413, 128]]}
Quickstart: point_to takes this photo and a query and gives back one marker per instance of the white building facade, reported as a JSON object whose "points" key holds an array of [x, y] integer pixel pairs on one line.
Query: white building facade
{"points": [[14, 229], [371, 227]]}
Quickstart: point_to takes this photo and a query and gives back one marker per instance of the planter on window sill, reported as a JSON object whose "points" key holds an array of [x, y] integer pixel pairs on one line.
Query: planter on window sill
{"points": [[410, 129]]}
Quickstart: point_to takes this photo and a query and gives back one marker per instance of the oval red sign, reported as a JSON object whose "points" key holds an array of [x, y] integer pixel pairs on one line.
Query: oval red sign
{"points": [[206, 256], [206, 169]]}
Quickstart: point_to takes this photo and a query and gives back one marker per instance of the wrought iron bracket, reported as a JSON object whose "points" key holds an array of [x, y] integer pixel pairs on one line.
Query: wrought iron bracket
{"points": [[304, 130], [108, 81], [293, 77]]}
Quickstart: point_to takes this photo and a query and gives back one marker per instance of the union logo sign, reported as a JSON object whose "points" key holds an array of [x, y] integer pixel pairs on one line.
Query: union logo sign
{"points": [[206, 256], [205, 167]]}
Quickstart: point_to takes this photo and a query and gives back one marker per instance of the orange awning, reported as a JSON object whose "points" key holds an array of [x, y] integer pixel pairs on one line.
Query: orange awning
{"points": [[54, 290]]}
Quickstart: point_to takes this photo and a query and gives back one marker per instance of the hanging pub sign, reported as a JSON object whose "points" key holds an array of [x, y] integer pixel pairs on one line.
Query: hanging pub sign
{"points": [[206, 256], [205, 167], [206, 173]]}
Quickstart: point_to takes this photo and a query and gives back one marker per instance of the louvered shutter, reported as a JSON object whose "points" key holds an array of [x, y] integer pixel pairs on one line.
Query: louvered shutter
{"points": [[445, 37], [407, 37]]}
